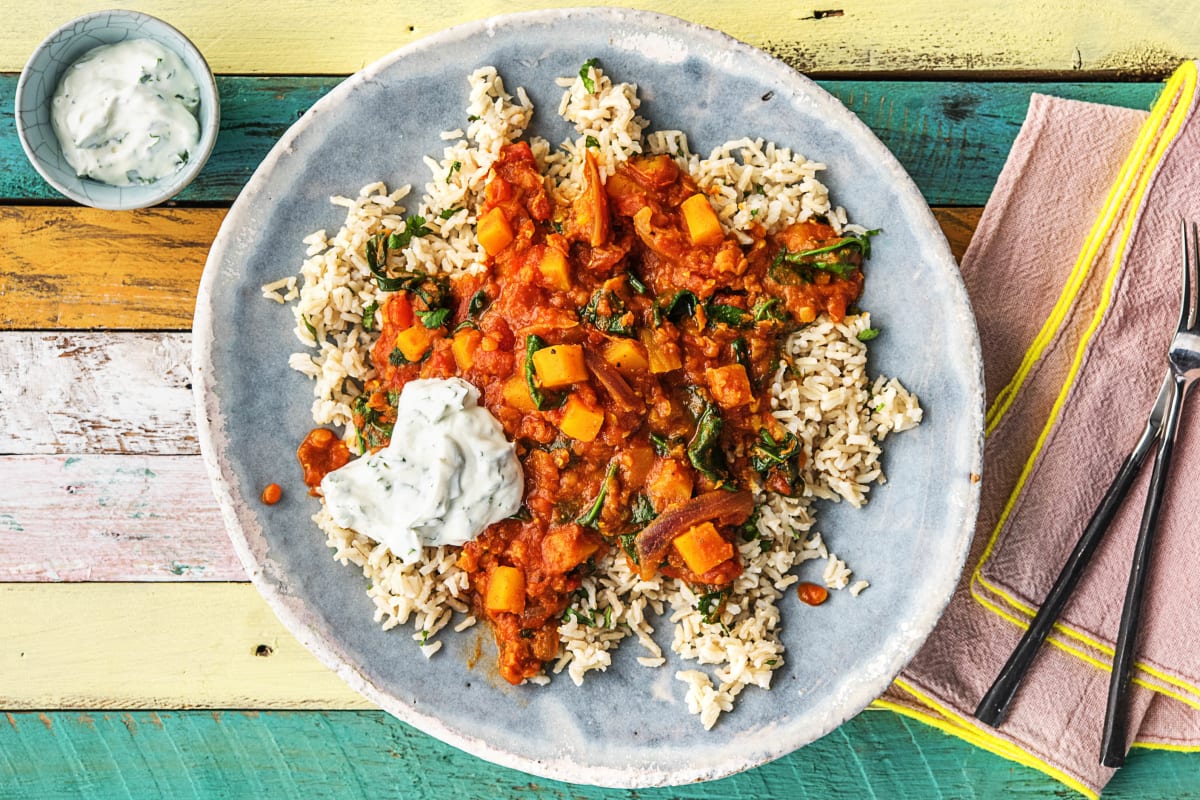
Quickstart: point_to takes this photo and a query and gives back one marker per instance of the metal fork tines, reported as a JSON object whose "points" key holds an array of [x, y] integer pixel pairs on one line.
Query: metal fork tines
{"points": [[1184, 359], [1161, 426]]}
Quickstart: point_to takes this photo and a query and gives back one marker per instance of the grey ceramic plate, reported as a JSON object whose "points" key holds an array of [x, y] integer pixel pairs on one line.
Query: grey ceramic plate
{"points": [[628, 726]]}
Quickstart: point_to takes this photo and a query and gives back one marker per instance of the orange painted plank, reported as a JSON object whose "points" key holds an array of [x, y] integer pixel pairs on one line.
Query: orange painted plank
{"points": [[70, 267]]}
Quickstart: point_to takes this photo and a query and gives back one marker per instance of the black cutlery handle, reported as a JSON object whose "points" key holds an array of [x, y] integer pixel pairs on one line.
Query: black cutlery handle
{"points": [[994, 705], [1112, 746]]}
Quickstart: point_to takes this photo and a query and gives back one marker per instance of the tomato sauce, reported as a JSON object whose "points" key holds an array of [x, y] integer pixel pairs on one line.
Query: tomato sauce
{"points": [[627, 356]]}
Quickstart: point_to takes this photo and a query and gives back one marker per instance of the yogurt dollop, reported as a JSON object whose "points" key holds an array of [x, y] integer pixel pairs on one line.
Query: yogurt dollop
{"points": [[125, 113], [446, 475]]}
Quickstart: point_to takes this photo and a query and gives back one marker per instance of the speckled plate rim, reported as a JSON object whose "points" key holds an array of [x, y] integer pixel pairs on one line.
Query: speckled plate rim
{"points": [[245, 527]]}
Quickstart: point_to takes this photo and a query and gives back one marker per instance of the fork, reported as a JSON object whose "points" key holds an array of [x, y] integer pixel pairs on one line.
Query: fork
{"points": [[1184, 360]]}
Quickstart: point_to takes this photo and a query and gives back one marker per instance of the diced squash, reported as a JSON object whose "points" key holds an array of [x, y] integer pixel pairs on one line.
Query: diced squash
{"points": [[703, 227], [494, 231], [397, 310], [626, 355], [668, 484], [663, 355], [506, 590], [702, 548], [414, 342], [516, 394], [559, 365], [554, 268], [730, 385], [464, 345], [580, 421], [566, 548]]}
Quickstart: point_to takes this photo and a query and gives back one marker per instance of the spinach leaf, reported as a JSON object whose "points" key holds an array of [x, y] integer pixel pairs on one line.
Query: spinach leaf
{"points": [[592, 515]]}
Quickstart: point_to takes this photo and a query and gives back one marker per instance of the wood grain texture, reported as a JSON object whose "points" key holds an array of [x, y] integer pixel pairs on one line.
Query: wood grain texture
{"points": [[155, 645], [1135, 37], [96, 393], [142, 269], [219, 755], [72, 267], [952, 137], [111, 518]]}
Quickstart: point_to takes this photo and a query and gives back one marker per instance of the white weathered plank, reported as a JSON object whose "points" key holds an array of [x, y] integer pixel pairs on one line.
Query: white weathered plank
{"points": [[90, 392], [111, 518]]}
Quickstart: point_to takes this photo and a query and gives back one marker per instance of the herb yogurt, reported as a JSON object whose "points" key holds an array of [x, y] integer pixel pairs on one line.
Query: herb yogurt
{"points": [[125, 113], [447, 473]]}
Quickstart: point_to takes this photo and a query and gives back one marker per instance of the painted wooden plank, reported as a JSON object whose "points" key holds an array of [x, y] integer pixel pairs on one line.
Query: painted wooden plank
{"points": [[111, 518], [134, 271], [367, 754], [88, 392], [266, 36], [72, 267], [154, 645], [952, 137]]}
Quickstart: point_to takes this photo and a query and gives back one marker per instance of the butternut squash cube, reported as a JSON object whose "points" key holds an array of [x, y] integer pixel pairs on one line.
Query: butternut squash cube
{"points": [[464, 345], [555, 270], [702, 548], [662, 354], [580, 421], [560, 365], [506, 590], [494, 231], [668, 483], [566, 548], [516, 394], [626, 355], [703, 227], [730, 385], [414, 342]]}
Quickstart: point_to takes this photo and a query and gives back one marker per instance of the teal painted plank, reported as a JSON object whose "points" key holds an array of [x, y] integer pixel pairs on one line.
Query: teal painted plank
{"points": [[952, 137], [216, 755]]}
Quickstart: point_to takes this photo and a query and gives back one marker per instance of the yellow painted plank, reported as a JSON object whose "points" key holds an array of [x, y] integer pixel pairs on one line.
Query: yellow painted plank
{"points": [[72, 267], [139, 645], [1135, 37]]}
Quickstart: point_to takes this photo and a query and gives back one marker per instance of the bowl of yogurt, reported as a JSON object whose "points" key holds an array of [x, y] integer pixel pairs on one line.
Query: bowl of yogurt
{"points": [[117, 110]]}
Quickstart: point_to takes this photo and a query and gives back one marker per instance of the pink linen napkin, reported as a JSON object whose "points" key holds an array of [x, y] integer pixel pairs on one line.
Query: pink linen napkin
{"points": [[1074, 274]]}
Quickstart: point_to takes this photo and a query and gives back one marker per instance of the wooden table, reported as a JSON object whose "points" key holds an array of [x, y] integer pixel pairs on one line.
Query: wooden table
{"points": [[135, 659]]}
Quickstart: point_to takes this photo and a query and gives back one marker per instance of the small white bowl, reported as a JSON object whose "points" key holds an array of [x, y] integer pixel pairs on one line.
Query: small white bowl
{"points": [[39, 79]]}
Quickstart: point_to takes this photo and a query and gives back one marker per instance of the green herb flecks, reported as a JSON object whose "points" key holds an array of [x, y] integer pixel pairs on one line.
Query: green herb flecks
{"points": [[704, 450], [661, 446], [711, 604], [378, 247], [769, 309], [434, 319], [585, 75], [682, 304], [592, 515], [591, 141], [447, 213], [368, 315], [541, 400], [867, 334], [372, 429], [642, 511], [787, 267], [636, 284], [767, 453], [730, 315], [607, 312], [454, 167]]}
